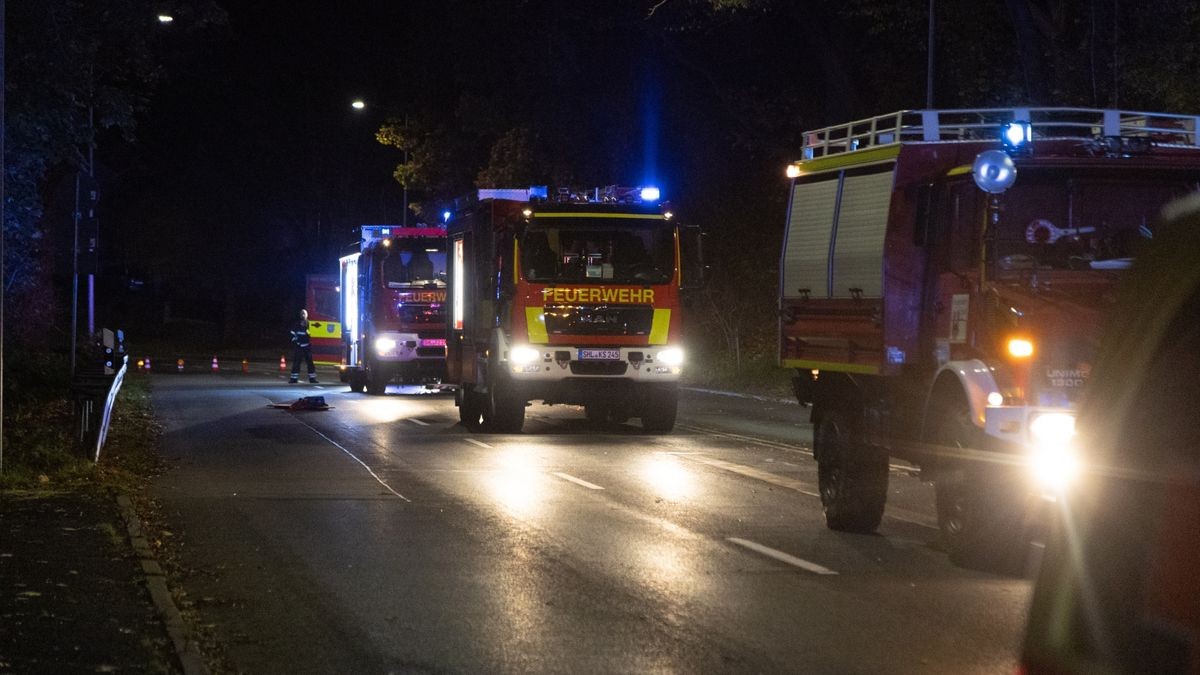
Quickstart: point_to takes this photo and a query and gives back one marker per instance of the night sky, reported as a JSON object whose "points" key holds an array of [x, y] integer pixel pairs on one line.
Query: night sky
{"points": [[250, 169]]}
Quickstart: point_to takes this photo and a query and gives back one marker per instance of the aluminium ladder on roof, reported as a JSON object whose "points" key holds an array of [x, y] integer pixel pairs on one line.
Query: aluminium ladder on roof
{"points": [[984, 124]]}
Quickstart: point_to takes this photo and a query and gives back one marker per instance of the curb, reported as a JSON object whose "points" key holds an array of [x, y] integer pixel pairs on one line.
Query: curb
{"points": [[186, 649]]}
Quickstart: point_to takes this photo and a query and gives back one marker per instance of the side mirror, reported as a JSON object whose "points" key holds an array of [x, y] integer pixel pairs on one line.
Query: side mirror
{"points": [[691, 257]]}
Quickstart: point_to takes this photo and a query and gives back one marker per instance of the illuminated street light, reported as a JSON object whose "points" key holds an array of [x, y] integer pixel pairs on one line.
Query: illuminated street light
{"points": [[358, 104], [165, 18]]}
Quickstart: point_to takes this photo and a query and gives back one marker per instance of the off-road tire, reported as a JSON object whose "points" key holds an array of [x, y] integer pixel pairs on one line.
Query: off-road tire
{"points": [[852, 478], [980, 516]]}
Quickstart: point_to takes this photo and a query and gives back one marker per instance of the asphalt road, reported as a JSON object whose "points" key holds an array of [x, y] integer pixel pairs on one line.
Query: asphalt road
{"points": [[381, 536]]}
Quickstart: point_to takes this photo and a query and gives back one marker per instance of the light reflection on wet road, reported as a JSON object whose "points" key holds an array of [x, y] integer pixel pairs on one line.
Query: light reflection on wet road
{"points": [[558, 549]]}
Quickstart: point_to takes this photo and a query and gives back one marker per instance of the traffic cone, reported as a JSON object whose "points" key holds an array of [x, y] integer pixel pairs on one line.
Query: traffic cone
{"points": [[179, 365], [282, 363], [245, 366], [215, 367]]}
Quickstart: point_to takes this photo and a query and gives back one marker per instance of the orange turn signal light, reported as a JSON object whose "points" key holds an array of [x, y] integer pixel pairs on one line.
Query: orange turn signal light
{"points": [[1020, 348]]}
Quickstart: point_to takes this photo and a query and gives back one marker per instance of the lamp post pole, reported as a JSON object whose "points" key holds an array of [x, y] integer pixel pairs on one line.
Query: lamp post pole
{"points": [[359, 104]]}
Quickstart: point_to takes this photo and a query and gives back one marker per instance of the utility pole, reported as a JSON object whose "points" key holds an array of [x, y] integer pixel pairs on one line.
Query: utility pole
{"points": [[929, 64], [2, 127]]}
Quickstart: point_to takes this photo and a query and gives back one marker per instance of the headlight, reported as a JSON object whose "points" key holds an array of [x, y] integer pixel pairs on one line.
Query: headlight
{"points": [[1054, 462], [1054, 467], [384, 345], [672, 357], [523, 355], [1052, 428]]}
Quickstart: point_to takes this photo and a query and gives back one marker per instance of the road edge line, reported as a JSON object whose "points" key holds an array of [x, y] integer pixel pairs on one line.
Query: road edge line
{"points": [[186, 649]]}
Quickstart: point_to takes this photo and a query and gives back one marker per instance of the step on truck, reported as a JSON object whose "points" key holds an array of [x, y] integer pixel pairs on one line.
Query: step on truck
{"points": [[944, 279], [569, 298], [393, 293]]}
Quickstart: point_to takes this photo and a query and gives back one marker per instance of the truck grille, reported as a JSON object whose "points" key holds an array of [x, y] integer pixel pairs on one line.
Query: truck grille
{"points": [[599, 320], [598, 367]]}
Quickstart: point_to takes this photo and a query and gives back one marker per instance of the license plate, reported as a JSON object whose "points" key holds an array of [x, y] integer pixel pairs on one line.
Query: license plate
{"points": [[599, 354], [433, 342]]}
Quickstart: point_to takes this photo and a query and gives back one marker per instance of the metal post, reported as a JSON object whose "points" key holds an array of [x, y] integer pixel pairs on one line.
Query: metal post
{"points": [[92, 217], [404, 213], [75, 277], [2, 84], [929, 65]]}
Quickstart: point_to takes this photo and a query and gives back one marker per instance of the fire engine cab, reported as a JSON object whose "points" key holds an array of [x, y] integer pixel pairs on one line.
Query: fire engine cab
{"points": [[393, 321], [568, 298], [944, 281]]}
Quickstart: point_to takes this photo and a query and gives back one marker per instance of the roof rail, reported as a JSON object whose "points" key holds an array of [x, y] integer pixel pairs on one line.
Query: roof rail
{"points": [[909, 126]]}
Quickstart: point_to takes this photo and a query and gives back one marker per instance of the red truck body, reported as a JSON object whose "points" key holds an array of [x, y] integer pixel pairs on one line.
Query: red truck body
{"points": [[941, 299], [572, 301]]}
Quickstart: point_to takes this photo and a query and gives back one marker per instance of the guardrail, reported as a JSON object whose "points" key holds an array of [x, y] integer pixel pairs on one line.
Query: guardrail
{"points": [[93, 394]]}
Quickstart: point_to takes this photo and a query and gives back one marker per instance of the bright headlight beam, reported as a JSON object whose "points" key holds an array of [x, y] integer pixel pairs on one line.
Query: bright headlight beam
{"points": [[384, 345], [671, 357], [1052, 428], [523, 355]]}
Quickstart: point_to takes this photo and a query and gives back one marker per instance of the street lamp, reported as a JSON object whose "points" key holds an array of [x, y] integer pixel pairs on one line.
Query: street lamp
{"points": [[165, 18], [359, 104]]}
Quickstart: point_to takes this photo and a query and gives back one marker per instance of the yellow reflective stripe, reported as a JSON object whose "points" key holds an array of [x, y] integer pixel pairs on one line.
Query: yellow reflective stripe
{"points": [[564, 214], [805, 364], [324, 329], [846, 160], [660, 326], [960, 170], [535, 318]]}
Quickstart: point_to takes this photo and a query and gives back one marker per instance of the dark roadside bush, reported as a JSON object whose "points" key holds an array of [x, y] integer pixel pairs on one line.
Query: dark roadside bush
{"points": [[38, 419]]}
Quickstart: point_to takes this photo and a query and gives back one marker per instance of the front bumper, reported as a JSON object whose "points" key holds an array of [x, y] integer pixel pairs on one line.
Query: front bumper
{"points": [[409, 347], [558, 363]]}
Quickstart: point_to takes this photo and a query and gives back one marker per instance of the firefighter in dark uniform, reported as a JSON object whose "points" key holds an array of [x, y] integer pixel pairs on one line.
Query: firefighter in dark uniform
{"points": [[302, 349]]}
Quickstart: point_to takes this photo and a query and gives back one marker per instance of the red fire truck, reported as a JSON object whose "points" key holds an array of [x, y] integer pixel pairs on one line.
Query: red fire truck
{"points": [[572, 299], [324, 324], [944, 280], [393, 320]]}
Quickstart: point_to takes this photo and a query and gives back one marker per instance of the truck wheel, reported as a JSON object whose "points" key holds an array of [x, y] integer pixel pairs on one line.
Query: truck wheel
{"points": [[980, 517], [660, 409], [504, 411], [377, 379], [470, 407], [852, 479], [356, 382]]}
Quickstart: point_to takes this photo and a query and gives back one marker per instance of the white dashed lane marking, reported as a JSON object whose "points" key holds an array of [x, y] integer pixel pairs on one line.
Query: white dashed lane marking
{"points": [[481, 444], [781, 556], [577, 481]]}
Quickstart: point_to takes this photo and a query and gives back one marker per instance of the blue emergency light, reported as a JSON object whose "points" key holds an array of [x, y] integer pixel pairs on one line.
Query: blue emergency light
{"points": [[650, 194], [1015, 135], [445, 216]]}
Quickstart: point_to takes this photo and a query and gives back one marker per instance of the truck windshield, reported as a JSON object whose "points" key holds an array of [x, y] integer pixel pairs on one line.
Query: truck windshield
{"points": [[599, 250], [415, 263], [1085, 221]]}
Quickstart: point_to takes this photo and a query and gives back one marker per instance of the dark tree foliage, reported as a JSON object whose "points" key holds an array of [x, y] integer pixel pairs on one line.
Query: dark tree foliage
{"points": [[75, 70]]}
